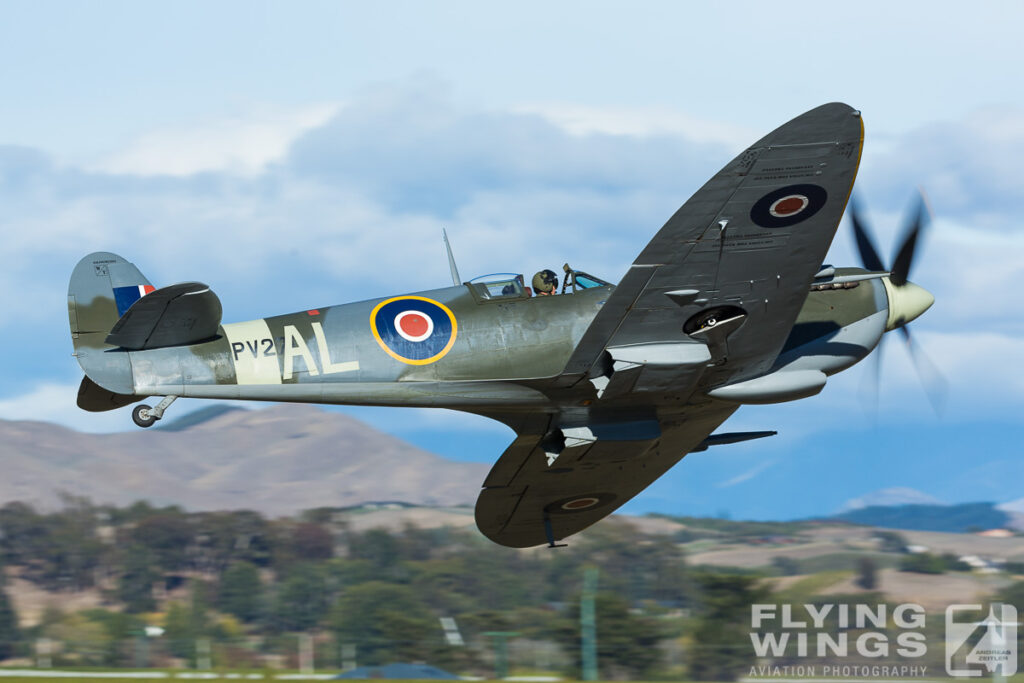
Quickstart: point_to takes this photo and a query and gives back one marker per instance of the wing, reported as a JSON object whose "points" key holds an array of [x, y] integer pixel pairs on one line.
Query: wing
{"points": [[743, 249], [708, 303], [526, 501]]}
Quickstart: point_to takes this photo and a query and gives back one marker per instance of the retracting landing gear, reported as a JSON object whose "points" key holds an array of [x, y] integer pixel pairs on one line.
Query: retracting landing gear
{"points": [[144, 416]]}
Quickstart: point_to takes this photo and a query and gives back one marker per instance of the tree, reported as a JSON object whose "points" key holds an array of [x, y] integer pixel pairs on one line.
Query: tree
{"points": [[302, 600], [954, 563], [891, 542], [120, 629], [167, 536], [184, 624], [311, 542], [178, 631], [84, 641], [627, 643], [24, 531], [923, 563], [867, 577], [721, 632], [387, 622], [377, 546], [241, 591], [226, 537], [10, 636], [135, 589]]}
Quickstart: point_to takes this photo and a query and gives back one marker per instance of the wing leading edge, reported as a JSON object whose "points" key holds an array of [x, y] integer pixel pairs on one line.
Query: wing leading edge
{"points": [[748, 244]]}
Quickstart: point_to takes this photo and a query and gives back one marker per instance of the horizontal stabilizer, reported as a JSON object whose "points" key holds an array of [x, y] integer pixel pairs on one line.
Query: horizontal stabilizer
{"points": [[730, 437], [177, 315], [96, 399]]}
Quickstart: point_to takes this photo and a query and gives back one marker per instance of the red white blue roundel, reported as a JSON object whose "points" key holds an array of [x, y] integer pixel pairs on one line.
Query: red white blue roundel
{"points": [[788, 205], [414, 329], [579, 503]]}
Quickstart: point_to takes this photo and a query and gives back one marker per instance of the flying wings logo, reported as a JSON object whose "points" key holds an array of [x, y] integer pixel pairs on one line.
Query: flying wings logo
{"points": [[126, 296], [788, 205], [973, 645], [414, 329]]}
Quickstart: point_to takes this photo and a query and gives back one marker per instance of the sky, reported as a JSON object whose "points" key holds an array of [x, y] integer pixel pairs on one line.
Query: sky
{"points": [[294, 155]]}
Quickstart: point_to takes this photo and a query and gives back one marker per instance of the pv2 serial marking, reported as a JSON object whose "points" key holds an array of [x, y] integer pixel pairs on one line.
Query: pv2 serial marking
{"points": [[606, 387], [255, 353]]}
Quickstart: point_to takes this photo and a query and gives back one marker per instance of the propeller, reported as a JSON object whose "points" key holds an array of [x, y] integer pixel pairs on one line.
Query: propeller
{"points": [[906, 300]]}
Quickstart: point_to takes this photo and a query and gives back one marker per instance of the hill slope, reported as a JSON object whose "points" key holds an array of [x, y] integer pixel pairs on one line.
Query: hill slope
{"points": [[277, 460]]}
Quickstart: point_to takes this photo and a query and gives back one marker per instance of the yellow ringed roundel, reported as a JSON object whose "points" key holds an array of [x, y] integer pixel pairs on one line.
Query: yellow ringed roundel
{"points": [[414, 329]]}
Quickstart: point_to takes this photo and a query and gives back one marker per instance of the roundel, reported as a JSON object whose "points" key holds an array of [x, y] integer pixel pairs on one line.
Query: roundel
{"points": [[788, 205], [413, 329], [579, 503]]}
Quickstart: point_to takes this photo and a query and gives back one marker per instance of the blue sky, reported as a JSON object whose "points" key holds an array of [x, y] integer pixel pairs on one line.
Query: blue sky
{"points": [[302, 154]]}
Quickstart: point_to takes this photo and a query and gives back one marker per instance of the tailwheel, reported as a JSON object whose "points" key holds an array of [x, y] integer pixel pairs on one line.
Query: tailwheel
{"points": [[142, 416]]}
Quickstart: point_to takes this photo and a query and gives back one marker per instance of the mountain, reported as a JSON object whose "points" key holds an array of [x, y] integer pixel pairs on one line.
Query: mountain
{"points": [[277, 460], [950, 518], [196, 417]]}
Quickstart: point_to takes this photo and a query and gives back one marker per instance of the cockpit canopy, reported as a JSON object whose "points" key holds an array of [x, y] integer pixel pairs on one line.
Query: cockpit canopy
{"points": [[511, 285], [498, 285]]}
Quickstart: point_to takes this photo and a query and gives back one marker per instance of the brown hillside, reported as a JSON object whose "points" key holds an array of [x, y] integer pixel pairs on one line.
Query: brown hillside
{"points": [[278, 460]]}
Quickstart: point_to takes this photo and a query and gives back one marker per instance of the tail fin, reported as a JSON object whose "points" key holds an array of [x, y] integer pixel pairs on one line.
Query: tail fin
{"points": [[103, 286]]}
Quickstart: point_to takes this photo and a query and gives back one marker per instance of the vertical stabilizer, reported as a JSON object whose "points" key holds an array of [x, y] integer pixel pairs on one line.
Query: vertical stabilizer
{"points": [[103, 286]]}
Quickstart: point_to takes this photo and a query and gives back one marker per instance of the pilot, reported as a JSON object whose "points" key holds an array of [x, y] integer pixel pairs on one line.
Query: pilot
{"points": [[545, 283]]}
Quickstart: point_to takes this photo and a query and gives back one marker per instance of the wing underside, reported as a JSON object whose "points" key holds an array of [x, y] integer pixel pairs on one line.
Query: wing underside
{"points": [[530, 498]]}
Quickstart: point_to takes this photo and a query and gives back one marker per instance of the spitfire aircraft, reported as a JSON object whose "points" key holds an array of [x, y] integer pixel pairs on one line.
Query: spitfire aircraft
{"points": [[606, 387]]}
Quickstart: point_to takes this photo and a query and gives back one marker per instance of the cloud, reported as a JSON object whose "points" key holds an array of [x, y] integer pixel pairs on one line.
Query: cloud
{"points": [[243, 145], [585, 121], [414, 151], [746, 476], [969, 168], [896, 495], [353, 209]]}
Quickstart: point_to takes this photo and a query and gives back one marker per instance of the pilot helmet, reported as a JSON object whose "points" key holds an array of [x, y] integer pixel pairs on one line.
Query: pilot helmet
{"points": [[545, 281]]}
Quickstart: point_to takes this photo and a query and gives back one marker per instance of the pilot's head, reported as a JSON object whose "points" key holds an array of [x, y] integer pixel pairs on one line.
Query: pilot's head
{"points": [[545, 282]]}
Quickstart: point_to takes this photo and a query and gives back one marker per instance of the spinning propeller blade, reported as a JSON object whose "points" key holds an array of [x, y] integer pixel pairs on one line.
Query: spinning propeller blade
{"points": [[905, 256], [931, 378], [865, 245]]}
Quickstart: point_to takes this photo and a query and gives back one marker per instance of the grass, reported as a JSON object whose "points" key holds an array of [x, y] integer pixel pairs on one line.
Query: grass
{"points": [[846, 561], [810, 586]]}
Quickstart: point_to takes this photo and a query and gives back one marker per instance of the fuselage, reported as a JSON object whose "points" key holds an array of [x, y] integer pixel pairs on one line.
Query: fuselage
{"points": [[458, 347], [355, 353]]}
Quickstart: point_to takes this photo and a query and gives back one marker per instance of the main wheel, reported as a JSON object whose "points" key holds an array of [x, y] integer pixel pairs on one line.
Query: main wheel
{"points": [[142, 417]]}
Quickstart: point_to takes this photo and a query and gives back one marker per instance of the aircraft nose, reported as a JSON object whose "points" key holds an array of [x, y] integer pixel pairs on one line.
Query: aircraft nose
{"points": [[906, 303]]}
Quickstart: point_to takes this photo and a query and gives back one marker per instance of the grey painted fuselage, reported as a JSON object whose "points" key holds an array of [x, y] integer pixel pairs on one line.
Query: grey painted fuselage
{"points": [[502, 352]]}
